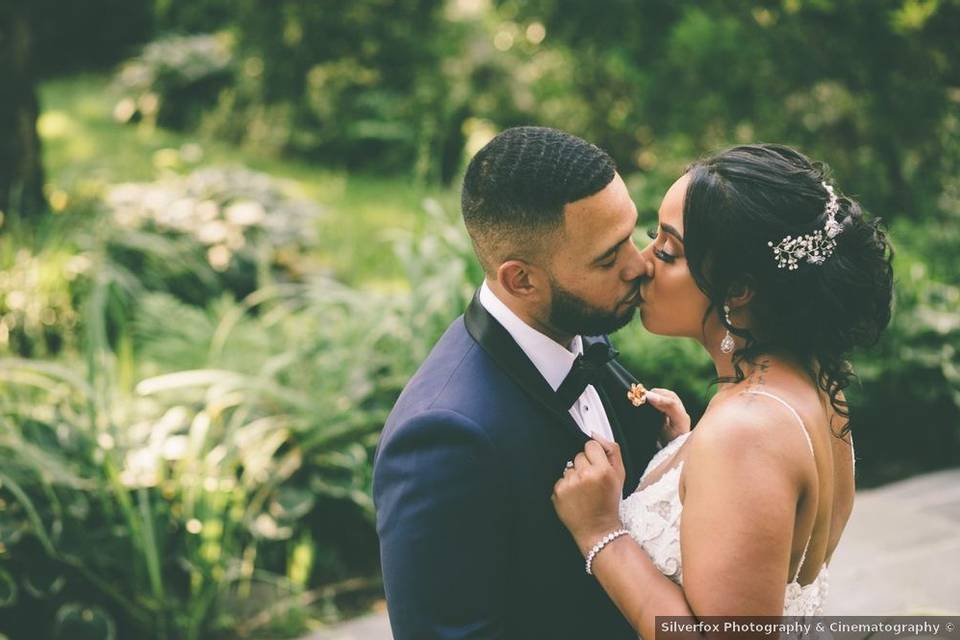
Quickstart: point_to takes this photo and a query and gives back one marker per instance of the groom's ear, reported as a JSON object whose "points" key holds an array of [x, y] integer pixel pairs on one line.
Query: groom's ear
{"points": [[518, 278]]}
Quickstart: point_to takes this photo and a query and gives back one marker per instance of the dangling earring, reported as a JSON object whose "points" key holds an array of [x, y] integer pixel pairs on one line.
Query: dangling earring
{"points": [[726, 345]]}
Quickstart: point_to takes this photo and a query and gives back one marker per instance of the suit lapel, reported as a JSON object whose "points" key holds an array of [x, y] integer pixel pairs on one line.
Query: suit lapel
{"points": [[629, 466], [614, 414], [636, 428], [500, 346]]}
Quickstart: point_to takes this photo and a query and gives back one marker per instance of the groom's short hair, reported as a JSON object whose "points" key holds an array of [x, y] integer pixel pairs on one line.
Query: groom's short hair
{"points": [[516, 187]]}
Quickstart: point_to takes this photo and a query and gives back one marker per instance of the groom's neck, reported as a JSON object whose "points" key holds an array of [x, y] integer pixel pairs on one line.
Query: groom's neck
{"points": [[529, 316]]}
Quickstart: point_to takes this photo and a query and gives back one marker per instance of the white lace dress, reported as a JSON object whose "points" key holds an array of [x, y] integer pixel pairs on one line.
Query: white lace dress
{"points": [[652, 516]]}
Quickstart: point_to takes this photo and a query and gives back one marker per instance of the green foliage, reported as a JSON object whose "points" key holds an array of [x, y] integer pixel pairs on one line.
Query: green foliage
{"points": [[869, 89], [173, 79], [86, 154], [199, 16], [173, 477], [396, 87], [351, 83], [208, 231], [72, 35], [38, 315], [355, 76], [401, 86], [907, 410]]}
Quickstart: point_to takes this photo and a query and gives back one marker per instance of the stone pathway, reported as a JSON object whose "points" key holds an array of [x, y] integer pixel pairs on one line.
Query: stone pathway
{"points": [[900, 555]]}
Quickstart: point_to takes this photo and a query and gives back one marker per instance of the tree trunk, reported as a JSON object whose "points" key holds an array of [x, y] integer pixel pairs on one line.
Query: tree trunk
{"points": [[21, 171]]}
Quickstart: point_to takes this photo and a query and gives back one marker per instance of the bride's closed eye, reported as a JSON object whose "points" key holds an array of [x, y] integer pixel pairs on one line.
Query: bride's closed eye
{"points": [[658, 251]]}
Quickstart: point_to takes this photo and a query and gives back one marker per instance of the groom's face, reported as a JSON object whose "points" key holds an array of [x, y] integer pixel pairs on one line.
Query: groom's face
{"points": [[595, 268]]}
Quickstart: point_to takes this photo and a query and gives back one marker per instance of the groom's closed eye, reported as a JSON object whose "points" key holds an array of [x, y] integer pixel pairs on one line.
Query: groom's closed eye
{"points": [[609, 257]]}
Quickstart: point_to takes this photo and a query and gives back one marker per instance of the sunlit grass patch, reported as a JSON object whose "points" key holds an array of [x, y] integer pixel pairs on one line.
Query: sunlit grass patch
{"points": [[86, 149]]}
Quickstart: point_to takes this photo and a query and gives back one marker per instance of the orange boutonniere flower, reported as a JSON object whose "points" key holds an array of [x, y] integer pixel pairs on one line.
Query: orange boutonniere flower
{"points": [[637, 394]]}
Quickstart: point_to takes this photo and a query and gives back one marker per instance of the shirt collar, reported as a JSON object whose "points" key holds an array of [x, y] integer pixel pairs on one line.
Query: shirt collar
{"points": [[551, 359]]}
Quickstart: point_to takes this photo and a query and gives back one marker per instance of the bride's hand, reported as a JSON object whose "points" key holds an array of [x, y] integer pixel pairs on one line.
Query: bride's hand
{"points": [[587, 497], [676, 420]]}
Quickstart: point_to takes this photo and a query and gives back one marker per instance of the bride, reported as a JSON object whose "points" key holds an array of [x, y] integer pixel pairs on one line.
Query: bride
{"points": [[779, 276]]}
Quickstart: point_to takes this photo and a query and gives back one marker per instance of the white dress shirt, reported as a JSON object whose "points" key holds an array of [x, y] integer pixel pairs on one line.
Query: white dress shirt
{"points": [[552, 360]]}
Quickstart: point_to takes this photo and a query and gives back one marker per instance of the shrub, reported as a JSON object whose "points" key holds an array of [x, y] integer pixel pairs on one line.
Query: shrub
{"points": [[906, 411], [204, 470], [208, 231], [173, 79]]}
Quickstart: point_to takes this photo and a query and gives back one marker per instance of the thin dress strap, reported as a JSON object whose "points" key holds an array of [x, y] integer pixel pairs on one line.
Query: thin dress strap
{"points": [[803, 427], [853, 458]]}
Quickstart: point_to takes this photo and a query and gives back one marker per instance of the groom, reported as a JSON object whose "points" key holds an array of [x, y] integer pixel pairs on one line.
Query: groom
{"points": [[470, 544]]}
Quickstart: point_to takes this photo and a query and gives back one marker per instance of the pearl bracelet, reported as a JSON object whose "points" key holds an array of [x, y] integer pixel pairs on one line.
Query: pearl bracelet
{"points": [[607, 539]]}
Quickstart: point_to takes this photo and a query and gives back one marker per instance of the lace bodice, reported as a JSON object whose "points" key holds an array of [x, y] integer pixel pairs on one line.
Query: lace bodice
{"points": [[652, 516]]}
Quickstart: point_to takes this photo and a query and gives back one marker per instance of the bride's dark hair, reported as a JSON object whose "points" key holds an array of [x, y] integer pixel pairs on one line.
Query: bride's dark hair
{"points": [[740, 199]]}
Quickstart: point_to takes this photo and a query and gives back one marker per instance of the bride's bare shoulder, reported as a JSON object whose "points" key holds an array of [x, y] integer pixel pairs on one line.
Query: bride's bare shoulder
{"points": [[749, 430]]}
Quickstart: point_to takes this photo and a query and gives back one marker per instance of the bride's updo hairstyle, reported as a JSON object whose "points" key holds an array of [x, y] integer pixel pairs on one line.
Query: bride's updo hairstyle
{"points": [[741, 204]]}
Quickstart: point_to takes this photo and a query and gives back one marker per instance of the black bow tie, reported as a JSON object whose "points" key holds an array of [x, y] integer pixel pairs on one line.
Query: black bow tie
{"points": [[587, 369]]}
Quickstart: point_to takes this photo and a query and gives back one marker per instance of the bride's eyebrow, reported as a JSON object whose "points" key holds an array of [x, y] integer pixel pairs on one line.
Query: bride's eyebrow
{"points": [[672, 231]]}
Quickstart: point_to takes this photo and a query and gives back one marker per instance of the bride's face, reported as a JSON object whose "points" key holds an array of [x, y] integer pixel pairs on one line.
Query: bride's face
{"points": [[672, 305]]}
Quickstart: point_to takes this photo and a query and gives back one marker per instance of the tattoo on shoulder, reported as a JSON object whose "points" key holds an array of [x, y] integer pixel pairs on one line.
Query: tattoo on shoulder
{"points": [[758, 377]]}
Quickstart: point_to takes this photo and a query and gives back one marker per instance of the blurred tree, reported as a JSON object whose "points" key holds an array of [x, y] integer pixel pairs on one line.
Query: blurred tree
{"points": [[21, 171], [872, 88], [192, 16], [358, 79], [76, 35]]}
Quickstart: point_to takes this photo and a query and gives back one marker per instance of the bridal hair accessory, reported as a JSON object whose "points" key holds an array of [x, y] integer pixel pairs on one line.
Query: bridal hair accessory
{"points": [[637, 394], [607, 539], [726, 345], [814, 247]]}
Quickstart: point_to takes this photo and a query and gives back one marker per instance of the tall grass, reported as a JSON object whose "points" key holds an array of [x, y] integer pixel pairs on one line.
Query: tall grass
{"points": [[173, 474]]}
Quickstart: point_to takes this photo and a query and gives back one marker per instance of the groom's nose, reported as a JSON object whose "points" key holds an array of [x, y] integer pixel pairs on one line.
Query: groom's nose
{"points": [[638, 265]]}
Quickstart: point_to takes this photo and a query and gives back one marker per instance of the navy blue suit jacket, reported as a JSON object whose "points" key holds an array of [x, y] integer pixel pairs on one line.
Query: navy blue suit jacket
{"points": [[470, 544]]}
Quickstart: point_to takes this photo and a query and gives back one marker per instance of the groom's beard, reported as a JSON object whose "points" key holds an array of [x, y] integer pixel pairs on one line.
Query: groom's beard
{"points": [[572, 315]]}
